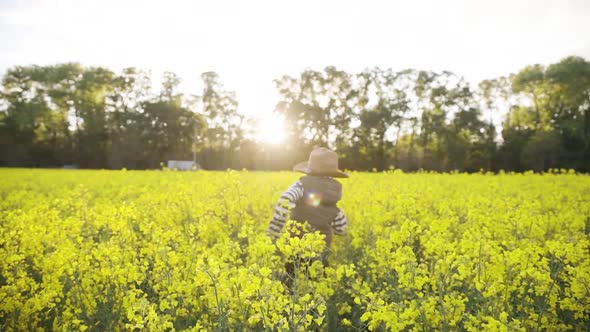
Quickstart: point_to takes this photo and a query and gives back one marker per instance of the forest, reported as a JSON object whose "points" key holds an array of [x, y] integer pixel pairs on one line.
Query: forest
{"points": [[92, 117]]}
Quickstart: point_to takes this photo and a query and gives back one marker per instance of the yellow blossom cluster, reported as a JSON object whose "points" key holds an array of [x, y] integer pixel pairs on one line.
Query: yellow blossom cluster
{"points": [[163, 250]]}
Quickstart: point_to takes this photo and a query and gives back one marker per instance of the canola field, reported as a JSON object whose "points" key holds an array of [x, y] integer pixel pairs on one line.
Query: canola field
{"points": [[164, 250]]}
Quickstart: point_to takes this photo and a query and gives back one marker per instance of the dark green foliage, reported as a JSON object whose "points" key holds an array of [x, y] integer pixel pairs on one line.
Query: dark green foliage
{"points": [[67, 114]]}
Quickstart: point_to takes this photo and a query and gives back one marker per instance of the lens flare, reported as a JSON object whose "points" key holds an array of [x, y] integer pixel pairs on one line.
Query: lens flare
{"points": [[313, 199]]}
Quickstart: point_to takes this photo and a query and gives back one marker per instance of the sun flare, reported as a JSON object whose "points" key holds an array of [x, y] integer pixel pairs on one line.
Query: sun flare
{"points": [[271, 130]]}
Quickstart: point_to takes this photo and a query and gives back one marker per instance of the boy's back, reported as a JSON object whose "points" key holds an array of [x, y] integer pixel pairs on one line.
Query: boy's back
{"points": [[314, 197]]}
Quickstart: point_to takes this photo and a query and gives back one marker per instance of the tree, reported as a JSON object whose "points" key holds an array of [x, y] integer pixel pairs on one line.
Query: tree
{"points": [[493, 99], [410, 119], [518, 128], [125, 119], [168, 126], [441, 95], [570, 79], [391, 103], [224, 123], [530, 81], [90, 96], [559, 97], [318, 108], [34, 131]]}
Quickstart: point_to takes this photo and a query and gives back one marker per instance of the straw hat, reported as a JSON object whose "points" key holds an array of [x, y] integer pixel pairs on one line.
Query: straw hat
{"points": [[321, 161]]}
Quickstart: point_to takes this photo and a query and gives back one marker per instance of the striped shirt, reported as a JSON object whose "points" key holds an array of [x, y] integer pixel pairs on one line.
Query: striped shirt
{"points": [[287, 201]]}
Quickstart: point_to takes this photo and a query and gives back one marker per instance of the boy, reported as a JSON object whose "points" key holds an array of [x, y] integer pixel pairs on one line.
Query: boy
{"points": [[313, 199]]}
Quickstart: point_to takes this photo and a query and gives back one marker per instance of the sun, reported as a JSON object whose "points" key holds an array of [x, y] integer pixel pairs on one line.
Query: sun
{"points": [[271, 129]]}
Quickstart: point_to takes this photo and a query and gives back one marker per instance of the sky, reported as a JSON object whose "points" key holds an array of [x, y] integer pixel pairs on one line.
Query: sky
{"points": [[250, 43]]}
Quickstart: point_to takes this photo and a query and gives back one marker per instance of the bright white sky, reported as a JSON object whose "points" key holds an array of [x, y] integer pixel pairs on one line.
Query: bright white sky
{"points": [[250, 43]]}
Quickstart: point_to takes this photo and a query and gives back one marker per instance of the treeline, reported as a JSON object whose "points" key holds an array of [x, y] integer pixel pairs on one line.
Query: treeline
{"points": [[68, 114]]}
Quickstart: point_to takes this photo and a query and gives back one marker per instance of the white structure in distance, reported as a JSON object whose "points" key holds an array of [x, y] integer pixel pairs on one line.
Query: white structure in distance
{"points": [[183, 165]]}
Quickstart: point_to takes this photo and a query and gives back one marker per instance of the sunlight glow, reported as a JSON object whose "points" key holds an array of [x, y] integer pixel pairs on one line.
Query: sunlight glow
{"points": [[271, 130]]}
